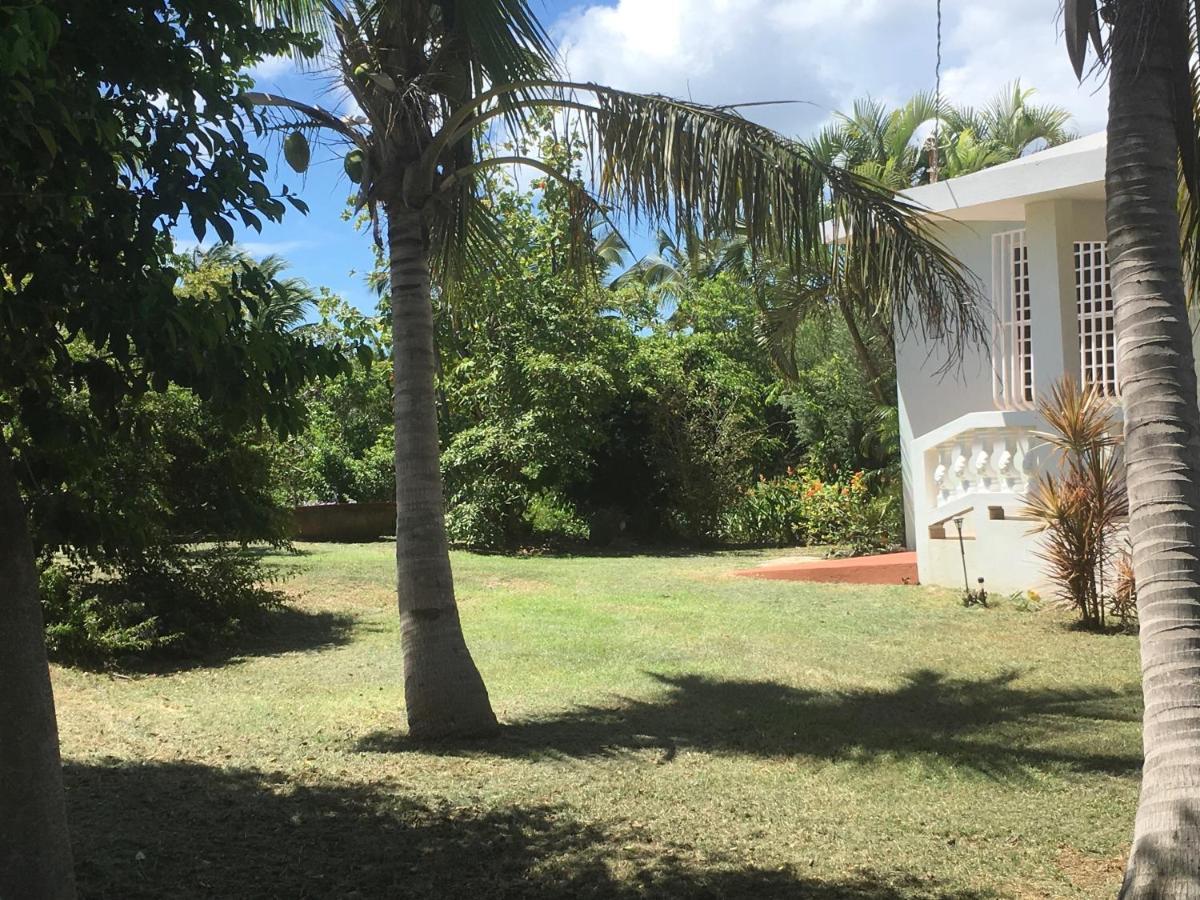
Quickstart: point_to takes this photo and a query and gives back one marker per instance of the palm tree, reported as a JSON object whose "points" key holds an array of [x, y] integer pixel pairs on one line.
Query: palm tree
{"points": [[1152, 136], [679, 263], [288, 301], [879, 143], [887, 145], [432, 79], [1007, 127]]}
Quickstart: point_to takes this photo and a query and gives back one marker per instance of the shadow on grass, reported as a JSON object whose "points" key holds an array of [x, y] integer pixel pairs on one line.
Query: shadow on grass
{"points": [[283, 630], [272, 552], [990, 725], [182, 830]]}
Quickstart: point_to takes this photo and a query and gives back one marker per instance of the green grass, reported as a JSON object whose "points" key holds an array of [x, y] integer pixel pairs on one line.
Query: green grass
{"points": [[672, 732]]}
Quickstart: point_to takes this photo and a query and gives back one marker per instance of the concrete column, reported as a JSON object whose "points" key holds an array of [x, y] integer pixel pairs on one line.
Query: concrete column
{"points": [[1051, 229], [1052, 293]]}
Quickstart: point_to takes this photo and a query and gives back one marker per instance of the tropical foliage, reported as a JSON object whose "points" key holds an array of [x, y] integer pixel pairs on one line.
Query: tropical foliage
{"points": [[899, 147], [119, 121], [112, 525], [170, 602], [434, 81], [799, 509], [576, 411], [1079, 500]]}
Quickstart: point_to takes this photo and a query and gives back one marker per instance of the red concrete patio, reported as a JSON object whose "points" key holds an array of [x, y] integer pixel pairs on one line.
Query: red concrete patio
{"points": [[886, 568]]}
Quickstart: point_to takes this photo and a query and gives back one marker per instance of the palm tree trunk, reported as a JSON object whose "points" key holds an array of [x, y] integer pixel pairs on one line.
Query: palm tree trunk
{"points": [[35, 846], [1162, 443], [874, 375], [443, 690]]}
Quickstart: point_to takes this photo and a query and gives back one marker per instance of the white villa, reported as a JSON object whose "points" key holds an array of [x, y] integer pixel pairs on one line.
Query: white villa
{"points": [[1033, 231]]}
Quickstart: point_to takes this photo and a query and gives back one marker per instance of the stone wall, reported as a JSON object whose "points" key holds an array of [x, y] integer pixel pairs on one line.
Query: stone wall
{"points": [[344, 521]]}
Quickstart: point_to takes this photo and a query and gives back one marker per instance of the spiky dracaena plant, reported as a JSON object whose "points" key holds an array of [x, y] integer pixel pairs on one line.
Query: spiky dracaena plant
{"points": [[432, 81], [1080, 502], [1153, 136]]}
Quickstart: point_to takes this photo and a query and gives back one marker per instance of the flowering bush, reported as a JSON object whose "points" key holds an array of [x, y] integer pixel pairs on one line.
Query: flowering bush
{"points": [[799, 509]]}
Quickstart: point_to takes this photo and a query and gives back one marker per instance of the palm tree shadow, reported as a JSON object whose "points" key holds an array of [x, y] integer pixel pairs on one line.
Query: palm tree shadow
{"points": [[185, 830], [991, 725]]}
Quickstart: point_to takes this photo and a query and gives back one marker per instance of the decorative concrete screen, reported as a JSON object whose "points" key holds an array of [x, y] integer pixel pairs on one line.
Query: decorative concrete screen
{"points": [[1012, 336], [1097, 334]]}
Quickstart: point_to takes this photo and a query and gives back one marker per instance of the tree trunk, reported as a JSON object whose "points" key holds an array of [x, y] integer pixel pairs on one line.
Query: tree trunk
{"points": [[35, 846], [443, 690], [1162, 443], [874, 375]]}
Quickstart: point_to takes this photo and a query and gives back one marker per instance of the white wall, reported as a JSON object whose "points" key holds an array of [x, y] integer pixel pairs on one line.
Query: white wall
{"points": [[1001, 550], [927, 400]]}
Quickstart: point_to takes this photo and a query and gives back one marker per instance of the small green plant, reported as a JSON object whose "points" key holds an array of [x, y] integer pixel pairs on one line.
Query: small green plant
{"points": [[1122, 605], [553, 517], [1025, 601]]}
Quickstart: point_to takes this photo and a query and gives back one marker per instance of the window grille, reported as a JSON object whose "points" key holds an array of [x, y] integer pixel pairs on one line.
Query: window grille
{"points": [[1094, 303], [1012, 336]]}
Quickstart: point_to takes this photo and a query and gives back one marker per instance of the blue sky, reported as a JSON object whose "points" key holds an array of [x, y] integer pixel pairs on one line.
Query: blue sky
{"points": [[822, 52]]}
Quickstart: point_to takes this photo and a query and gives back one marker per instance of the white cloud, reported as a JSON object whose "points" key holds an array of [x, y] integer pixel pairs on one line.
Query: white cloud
{"points": [[823, 52], [272, 68], [259, 249], [1024, 39]]}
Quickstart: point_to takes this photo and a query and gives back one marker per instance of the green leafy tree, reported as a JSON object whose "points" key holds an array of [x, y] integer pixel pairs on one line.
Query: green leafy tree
{"points": [[119, 119], [1152, 138], [708, 416], [345, 451], [532, 357], [172, 465], [432, 79]]}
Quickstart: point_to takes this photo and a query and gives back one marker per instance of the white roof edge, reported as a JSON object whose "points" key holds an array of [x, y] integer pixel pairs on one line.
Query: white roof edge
{"points": [[1069, 165]]}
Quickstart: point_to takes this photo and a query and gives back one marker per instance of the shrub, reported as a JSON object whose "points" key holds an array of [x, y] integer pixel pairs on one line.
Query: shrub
{"points": [[490, 516], [170, 602], [835, 417], [799, 509], [1123, 603], [552, 517], [708, 429], [1080, 507]]}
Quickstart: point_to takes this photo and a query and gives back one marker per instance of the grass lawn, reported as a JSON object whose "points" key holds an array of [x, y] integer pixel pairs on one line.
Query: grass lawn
{"points": [[672, 732]]}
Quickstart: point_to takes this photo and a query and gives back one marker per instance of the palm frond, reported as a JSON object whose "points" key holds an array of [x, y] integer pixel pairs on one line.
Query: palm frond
{"points": [[466, 237], [903, 124], [651, 271], [1079, 418], [611, 247], [674, 163], [503, 39]]}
